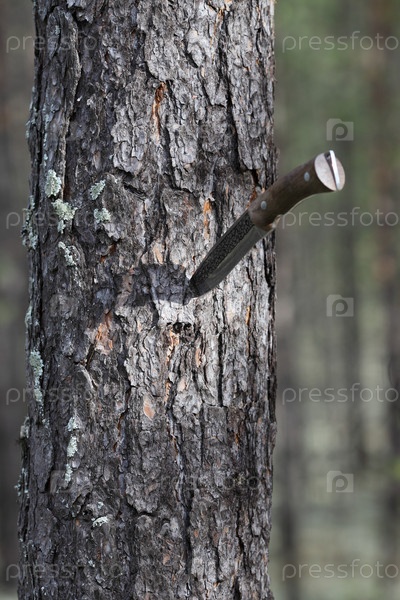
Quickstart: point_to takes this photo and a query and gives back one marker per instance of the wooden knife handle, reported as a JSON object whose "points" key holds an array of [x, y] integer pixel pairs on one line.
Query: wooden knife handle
{"points": [[324, 173]]}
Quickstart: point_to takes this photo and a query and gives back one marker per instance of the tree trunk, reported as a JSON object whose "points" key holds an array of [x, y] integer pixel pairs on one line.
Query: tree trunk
{"points": [[383, 89], [147, 450]]}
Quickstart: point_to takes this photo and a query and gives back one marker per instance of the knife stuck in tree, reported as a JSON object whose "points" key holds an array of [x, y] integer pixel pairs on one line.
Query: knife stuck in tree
{"points": [[322, 174]]}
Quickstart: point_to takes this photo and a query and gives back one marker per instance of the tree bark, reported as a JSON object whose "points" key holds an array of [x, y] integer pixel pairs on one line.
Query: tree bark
{"points": [[147, 467]]}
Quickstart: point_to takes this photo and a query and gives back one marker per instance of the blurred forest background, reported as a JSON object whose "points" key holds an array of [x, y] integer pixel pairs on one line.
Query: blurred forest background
{"points": [[337, 462]]}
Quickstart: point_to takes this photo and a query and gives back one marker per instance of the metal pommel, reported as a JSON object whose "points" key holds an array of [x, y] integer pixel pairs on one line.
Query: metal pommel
{"points": [[324, 173]]}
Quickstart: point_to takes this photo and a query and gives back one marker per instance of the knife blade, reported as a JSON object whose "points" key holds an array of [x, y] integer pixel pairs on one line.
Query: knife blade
{"points": [[323, 173]]}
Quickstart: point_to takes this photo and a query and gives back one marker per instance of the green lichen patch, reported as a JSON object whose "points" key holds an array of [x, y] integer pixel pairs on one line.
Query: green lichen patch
{"points": [[29, 236], [101, 215], [28, 317], [53, 184], [25, 429], [100, 521], [68, 474], [72, 447], [96, 189], [65, 213], [35, 361], [74, 423], [31, 240], [68, 256]]}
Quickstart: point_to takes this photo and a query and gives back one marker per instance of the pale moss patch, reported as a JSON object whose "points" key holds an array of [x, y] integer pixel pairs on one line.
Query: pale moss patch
{"points": [[74, 423], [25, 429], [35, 361], [65, 213], [69, 258], [72, 447], [100, 521], [53, 184], [96, 189], [28, 317], [31, 240], [29, 237], [101, 215], [68, 474]]}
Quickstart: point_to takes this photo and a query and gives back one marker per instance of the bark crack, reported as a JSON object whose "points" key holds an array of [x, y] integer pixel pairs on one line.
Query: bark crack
{"points": [[184, 495], [220, 369], [236, 591]]}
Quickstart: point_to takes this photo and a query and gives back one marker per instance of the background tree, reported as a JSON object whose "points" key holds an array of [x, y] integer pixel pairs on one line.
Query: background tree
{"points": [[338, 61], [15, 87], [147, 450], [382, 82]]}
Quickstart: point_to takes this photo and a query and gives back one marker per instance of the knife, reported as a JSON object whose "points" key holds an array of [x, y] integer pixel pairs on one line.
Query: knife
{"points": [[324, 173]]}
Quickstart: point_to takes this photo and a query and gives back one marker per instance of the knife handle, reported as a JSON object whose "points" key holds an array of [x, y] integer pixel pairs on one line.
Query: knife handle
{"points": [[324, 173]]}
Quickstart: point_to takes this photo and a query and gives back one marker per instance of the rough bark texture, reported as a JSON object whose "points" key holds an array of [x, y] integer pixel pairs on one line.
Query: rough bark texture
{"points": [[147, 450]]}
